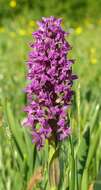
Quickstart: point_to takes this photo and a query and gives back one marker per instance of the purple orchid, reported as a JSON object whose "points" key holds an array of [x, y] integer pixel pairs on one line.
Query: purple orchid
{"points": [[50, 91]]}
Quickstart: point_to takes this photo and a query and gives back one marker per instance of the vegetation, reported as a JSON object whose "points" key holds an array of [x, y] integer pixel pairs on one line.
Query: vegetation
{"points": [[21, 166]]}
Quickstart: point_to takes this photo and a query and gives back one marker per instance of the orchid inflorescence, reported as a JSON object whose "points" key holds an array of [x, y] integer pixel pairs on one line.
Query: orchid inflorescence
{"points": [[49, 92]]}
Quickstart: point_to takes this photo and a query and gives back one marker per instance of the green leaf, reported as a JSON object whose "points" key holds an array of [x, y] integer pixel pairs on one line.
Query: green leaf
{"points": [[54, 168], [97, 185], [82, 153], [92, 150], [17, 131]]}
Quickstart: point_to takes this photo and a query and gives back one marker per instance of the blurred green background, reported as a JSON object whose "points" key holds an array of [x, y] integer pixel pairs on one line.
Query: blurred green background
{"points": [[82, 18]]}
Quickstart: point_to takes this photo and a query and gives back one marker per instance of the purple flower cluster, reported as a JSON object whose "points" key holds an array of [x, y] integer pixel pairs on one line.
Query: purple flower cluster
{"points": [[49, 92]]}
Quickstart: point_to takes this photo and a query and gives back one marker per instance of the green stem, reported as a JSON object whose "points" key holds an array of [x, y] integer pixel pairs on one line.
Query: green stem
{"points": [[76, 175], [78, 111], [72, 181], [54, 168], [84, 184]]}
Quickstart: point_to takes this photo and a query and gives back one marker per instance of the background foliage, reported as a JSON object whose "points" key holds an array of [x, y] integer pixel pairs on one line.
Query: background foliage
{"points": [[20, 164], [76, 10]]}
